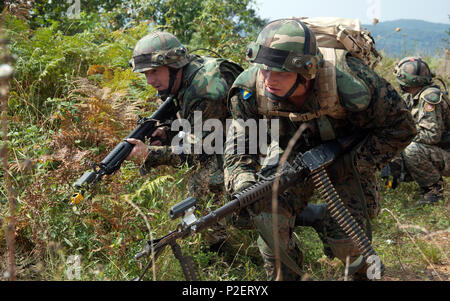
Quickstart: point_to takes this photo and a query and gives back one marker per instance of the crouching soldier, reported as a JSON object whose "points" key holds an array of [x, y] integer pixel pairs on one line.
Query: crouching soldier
{"points": [[427, 159], [198, 84], [333, 95]]}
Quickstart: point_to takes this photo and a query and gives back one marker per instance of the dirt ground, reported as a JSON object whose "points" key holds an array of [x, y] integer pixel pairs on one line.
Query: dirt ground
{"points": [[434, 272]]}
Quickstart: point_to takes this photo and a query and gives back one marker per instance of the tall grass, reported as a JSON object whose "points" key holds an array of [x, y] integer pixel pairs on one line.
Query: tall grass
{"points": [[73, 98]]}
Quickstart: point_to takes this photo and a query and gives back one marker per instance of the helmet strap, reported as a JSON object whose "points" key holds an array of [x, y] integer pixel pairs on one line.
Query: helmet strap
{"points": [[299, 80], [172, 77]]}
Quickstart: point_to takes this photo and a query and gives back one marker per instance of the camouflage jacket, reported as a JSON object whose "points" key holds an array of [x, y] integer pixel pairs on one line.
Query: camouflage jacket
{"points": [[204, 88], [377, 111], [430, 110]]}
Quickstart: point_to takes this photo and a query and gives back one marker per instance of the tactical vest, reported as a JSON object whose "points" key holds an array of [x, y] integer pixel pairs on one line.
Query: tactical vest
{"points": [[335, 87]]}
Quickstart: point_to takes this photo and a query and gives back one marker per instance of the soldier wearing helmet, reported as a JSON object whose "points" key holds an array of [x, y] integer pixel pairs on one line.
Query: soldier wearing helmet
{"points": [[198, 84], [427, 159], [330, 94]]}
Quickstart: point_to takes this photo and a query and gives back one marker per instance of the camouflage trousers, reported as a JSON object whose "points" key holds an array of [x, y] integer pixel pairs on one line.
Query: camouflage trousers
{"points": [[206, 184], [363, 202], [426, 164]]}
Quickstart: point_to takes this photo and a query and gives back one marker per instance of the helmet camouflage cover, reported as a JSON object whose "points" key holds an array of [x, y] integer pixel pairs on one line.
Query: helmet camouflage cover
{"points": [[286, 45], [159, 49], [413, 72]]}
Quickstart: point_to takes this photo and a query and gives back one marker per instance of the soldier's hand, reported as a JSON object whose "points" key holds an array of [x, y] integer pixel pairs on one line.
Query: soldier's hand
{"points": [[243, 185], [160, 135], [255, 208], [139, 153]]}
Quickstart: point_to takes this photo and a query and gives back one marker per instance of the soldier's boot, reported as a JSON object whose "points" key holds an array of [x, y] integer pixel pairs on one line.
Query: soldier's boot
{"points": [[431, 195], [313, 216], [342, 248], [286, 274]]}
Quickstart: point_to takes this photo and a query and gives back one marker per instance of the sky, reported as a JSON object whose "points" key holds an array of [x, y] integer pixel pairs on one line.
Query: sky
{"points": [[436, 11]]}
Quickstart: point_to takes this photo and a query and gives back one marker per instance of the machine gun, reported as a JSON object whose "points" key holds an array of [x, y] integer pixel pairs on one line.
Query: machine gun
{"points": [[112, 162], [309, 164]]}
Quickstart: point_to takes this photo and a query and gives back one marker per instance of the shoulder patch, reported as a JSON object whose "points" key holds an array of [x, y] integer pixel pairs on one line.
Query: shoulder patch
{"points": [[428, 107], [246, 94], [432, 96]]}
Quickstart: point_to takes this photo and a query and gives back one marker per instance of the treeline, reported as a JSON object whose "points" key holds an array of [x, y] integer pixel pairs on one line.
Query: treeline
{"points": [[53, 46]]}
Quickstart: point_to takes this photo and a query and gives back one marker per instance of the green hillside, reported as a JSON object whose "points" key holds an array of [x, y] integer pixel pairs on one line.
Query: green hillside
{"points": [[416, 37]]}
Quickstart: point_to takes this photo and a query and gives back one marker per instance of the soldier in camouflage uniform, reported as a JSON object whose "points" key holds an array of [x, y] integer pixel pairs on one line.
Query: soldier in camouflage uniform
{"points": [[198, 84], [291, 80], [427, 159]]}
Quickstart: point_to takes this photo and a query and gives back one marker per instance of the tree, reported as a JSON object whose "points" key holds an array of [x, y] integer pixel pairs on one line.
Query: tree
{"points": [[227, 28], [45, 12], [184, 18], [224, 26]]}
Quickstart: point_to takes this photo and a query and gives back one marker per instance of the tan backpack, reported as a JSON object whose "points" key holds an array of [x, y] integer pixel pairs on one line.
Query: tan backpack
{"points": [[341, 33]]}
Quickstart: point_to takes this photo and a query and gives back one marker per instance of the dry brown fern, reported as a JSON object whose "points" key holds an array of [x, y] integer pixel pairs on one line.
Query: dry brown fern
{"points": [[19, 8]]}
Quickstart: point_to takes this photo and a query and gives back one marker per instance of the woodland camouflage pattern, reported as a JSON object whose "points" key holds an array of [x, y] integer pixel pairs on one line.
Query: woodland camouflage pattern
{"points": [[161, 45], [413, 72], [424, 160], [205, 85], [286, 35], [380, 113]]}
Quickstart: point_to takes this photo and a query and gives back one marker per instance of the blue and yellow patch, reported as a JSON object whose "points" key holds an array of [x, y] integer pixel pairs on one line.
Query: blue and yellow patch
{"points": [[246, 94]]}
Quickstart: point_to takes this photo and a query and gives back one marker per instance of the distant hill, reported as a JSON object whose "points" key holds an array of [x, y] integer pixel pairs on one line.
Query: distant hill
{"points": [[416, 37]]}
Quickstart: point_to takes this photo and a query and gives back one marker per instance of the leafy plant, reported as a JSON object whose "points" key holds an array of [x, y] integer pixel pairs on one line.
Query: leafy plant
{"points": [[74, 97]]}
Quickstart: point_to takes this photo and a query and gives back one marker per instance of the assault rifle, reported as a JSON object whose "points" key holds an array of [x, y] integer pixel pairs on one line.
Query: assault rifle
{"points": [[308, 164], [112, 162]]}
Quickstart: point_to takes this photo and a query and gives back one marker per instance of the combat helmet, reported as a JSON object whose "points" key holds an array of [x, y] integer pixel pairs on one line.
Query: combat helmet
{"points": [[286, 45], [412, 72], [159, 49]]}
